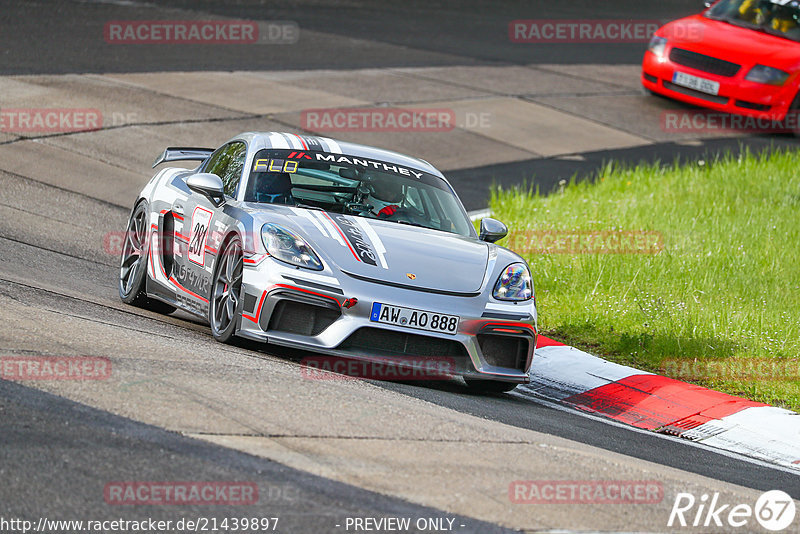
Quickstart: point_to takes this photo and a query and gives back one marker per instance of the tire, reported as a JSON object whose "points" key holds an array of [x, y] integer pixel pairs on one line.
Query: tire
{"points": [[133, 260], [133, 264], [489, 386], [224, 301]]}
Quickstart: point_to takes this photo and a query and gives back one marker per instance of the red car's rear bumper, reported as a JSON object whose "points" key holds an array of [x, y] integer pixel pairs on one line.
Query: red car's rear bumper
{"points": [[736, 95]]}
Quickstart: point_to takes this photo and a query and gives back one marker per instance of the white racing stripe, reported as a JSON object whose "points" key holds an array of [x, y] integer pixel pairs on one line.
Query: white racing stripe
{"points": [[334, 146], [319, 278], [329, 226], [278, 141], [307, 215], [380, 250], [510, 308], [293, 141]]}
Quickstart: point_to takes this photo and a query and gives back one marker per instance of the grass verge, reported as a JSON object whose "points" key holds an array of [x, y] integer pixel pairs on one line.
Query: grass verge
{"points": [[690, 271]]}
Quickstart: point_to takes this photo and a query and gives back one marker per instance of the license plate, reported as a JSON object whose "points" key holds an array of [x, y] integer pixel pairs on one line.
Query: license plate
{"points": [[411, 318], [695, 82]]}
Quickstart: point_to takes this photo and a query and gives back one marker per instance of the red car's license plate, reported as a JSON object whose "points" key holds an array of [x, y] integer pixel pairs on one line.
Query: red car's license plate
{"points": [[695, 82]]}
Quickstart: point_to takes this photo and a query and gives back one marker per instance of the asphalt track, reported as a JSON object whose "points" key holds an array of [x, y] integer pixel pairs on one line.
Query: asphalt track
{"points": [[181, 407]]}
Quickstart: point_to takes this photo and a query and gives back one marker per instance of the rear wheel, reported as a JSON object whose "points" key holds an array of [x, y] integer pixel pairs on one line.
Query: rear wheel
{"points": [[223, 306], [133, 264], [489, 386]]}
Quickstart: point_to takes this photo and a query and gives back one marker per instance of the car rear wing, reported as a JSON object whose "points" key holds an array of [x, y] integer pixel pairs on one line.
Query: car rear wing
{"points": [[183, 154]]}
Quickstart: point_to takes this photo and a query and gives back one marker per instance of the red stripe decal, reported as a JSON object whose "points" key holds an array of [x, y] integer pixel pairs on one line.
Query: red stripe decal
{"points": [[255, 260], [547, 342], [264, 295], [172, 279], [181, 237], [524, 326], [309, 292], [301, 141], [652, 402], [176, 216], [258, 308], [346, 242], [153, 269]]}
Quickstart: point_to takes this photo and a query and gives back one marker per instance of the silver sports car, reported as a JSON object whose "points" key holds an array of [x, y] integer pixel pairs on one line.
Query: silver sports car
{"points": [[338, 248]]}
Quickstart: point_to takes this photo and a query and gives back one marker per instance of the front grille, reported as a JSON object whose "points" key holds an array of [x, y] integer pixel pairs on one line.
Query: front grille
{"points": [[703, 62], [395, 343], [504, 351], [300, 318]]}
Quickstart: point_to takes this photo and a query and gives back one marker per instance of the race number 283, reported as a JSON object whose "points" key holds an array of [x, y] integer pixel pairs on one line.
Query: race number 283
{"points": [[201, 218]]}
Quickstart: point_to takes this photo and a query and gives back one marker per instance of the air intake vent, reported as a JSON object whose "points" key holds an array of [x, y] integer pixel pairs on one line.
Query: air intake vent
{"points": [[504, 351], [302, 319], [402, 344]]}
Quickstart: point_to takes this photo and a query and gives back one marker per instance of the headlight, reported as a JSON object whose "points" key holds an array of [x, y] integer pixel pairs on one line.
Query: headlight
{"points": [[514, 283], [768, 75], [283, 245], [657, 45]]}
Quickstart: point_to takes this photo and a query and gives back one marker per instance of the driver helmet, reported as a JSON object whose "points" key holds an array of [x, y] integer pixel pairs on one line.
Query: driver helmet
{"points": [[385, 192]]}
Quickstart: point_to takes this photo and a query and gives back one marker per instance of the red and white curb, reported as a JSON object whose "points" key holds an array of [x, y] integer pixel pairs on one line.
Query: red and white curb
{"points": [[574, 378]]}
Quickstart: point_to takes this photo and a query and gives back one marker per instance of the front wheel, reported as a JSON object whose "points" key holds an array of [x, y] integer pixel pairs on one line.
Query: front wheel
{"points": [[223, 306], [489, 386]]}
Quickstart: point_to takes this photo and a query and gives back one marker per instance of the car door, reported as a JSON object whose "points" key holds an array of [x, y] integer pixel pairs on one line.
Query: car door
{"points": [[203, 224]]}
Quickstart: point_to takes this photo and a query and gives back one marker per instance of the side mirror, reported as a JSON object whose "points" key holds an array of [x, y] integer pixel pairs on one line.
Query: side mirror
{"points": [[209, 185], [492, 230]]}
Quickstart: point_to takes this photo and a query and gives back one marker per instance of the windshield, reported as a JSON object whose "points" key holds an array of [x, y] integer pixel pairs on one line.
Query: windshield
{"points": [[777, 17], [356, 186]]}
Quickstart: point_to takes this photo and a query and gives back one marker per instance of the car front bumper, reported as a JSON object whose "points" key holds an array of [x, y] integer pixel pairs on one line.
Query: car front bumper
{"points": [[736, 94], [330, 314]]}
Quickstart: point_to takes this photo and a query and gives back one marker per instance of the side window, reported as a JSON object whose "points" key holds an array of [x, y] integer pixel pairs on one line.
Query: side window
{"points": [[228, 163], [214, 161]]}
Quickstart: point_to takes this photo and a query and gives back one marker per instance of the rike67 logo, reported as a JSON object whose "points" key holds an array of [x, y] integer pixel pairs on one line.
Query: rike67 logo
{"points": [[774, 510]]}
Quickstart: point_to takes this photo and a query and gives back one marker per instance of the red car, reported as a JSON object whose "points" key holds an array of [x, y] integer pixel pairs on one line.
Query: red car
{"points": [[738, 56]]}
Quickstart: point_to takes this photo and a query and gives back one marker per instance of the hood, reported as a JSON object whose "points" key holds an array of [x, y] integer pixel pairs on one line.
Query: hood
{"points": [[731, 43], [392, 252]]}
